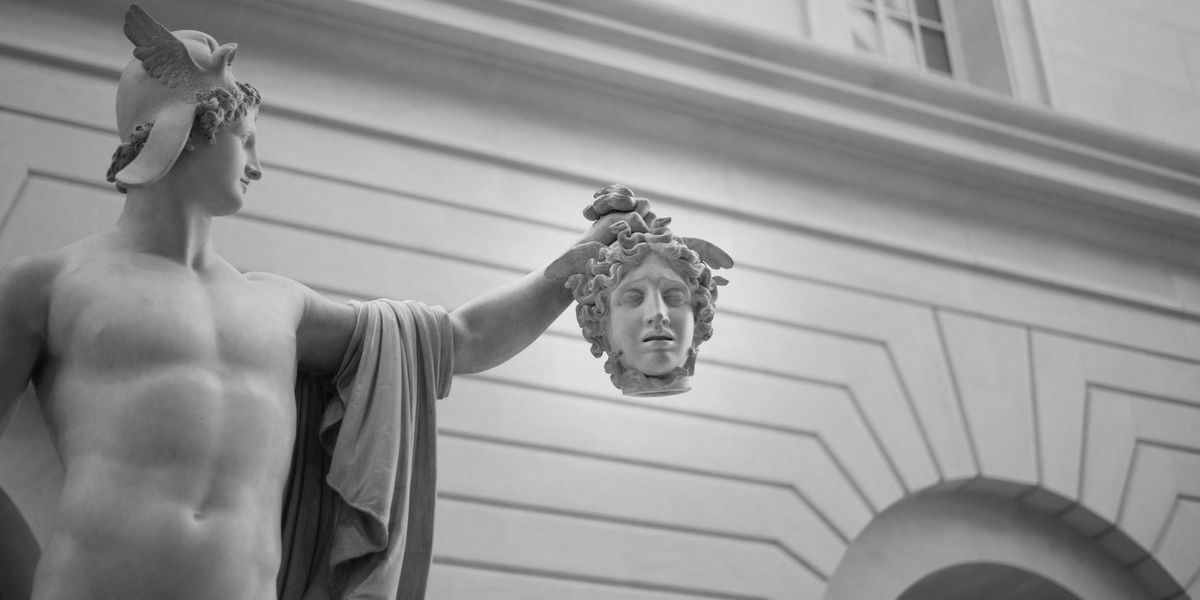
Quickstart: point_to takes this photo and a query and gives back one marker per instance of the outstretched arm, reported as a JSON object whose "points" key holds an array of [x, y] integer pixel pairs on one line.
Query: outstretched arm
{"points": [[496, 326], [487, 330], [24, 293]]}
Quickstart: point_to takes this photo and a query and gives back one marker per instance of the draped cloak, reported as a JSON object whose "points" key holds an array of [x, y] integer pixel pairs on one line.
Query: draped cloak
{"points": [[358, 507]]}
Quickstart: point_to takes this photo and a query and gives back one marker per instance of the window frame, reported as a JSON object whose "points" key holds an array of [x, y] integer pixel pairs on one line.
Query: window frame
{"points": [[946, 27]]}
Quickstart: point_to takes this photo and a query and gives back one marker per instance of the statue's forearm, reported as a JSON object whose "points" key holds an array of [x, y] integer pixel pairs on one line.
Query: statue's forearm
{"points": [[497, 325]]}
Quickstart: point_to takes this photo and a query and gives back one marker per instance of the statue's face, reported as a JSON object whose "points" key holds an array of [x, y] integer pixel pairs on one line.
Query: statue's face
{"points": [[225, 168], [650, 318]]}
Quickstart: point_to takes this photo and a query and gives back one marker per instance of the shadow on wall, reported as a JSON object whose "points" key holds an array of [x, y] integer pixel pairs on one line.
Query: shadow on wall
{"points": [[940, 545], [19, 552]]}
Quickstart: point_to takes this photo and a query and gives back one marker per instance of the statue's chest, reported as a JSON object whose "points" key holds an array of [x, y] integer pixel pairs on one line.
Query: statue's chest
{"points": [[131, 319]]}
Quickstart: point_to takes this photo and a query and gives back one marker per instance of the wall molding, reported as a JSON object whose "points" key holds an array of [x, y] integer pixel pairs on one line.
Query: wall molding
{"points": [[804, 90], [815, 95]]}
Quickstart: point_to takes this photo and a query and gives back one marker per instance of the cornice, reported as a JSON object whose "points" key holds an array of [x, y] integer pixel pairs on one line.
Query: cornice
{"points": [[796, 88], [815, 96]]}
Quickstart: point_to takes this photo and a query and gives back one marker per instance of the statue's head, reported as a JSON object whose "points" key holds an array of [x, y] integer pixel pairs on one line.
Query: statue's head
{"points": [[647, 301], [178, 87]]}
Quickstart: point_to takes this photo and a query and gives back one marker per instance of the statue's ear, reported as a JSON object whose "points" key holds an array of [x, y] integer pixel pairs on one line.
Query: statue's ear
{"points": [[709, 253], [572, 261]]}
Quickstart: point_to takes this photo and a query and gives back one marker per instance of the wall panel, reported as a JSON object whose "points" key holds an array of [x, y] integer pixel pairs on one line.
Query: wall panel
{"points": [[991, 364], [640, 558]]}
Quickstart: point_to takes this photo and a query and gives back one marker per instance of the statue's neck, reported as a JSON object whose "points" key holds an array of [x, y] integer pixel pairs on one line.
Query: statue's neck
{"points": [[167, 226]]}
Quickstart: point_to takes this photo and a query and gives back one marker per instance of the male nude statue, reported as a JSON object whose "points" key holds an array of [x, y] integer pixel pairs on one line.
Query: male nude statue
{"points": [[166, 376]]}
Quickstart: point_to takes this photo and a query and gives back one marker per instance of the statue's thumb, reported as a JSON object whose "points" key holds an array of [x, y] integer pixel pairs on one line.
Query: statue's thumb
{"points": [[573, 261]]}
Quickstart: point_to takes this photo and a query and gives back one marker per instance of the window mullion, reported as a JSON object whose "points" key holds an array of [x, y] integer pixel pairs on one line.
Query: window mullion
{"points": [[958, 64], [918, 41], [879, 32]]}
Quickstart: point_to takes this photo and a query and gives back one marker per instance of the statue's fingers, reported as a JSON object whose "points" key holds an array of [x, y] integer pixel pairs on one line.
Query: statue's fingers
{"points": [[641, 206], [619, 203], [612, 198], [599, 207]]}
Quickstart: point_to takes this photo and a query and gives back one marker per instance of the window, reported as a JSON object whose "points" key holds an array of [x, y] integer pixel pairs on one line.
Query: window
{"points": [[989, 44], [911, 32]]}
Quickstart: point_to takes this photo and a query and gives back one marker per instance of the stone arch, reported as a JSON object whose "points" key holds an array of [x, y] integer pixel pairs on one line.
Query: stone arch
{"points": [[986, 581], [950, 533], [19, 552]]}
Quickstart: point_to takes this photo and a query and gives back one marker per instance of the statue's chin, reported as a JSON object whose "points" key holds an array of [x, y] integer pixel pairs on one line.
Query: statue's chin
{"points": [[637, 384], [655, 362]]}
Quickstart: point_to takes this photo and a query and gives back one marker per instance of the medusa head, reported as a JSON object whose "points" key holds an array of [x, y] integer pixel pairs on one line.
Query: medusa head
{"points": [[647, 300]]}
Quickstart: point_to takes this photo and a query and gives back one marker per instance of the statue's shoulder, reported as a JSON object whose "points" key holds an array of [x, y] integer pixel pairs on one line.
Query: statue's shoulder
{"points": [[283, 291], [275, 284], [323, 326], [83, 256], [291, 290], [37, 265], [27, 283]]}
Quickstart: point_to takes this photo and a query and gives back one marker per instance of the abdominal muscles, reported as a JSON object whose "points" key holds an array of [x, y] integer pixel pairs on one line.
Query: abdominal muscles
{"points": [[174, 481]]}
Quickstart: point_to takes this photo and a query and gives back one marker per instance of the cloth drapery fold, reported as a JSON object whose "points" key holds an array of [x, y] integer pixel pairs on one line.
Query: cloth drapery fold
{"points": [[358, 507]]}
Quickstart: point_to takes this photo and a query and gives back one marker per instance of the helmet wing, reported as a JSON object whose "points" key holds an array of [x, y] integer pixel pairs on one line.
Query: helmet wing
{"points": [[709, 252], [162, 54]]}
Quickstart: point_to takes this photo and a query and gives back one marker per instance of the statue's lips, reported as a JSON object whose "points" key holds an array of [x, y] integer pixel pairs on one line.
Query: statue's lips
{"points": [[658, 338]]}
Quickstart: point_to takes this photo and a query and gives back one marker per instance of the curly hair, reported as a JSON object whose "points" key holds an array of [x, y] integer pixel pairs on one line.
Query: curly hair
{"points": [[216, 109], [219, 108], [126, 152], [592, 290]]}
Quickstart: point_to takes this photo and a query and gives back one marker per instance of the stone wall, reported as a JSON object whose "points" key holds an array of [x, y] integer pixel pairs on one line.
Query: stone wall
{"points": [[1131, 65]]}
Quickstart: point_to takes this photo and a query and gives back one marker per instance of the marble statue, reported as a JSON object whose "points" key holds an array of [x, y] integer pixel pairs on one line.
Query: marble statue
{"points": [[195, 465], [647, 299]]}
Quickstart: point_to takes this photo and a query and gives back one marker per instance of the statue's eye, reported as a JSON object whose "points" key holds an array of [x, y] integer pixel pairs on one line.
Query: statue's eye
{"points": [[675, 297], [631, 298]]}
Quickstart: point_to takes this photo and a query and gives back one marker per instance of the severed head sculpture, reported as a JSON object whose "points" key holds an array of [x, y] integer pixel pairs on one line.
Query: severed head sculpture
{"points": [[647, 300]]}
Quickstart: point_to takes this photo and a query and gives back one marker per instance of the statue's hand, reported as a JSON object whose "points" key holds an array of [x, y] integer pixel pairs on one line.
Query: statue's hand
{"points": [[615, 198], [611, 204]]}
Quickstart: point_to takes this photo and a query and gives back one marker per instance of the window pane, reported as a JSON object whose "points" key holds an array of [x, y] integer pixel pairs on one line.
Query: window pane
{"points": [[984, 62], [898, 39], [937, 56], [928, 9], [904, 6], [864, 31]]}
